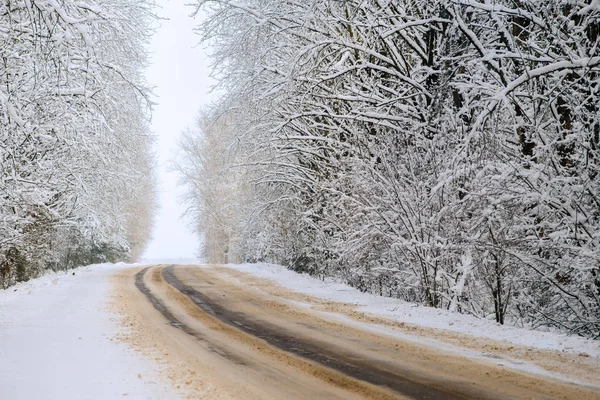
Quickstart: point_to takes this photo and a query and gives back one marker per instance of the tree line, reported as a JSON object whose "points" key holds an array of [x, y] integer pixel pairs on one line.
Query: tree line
{"points": [[445, 152], [76, 182]]}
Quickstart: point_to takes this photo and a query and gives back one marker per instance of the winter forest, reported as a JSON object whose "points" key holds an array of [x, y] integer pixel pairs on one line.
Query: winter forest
{"points": [[445, 152], [76, 183]]}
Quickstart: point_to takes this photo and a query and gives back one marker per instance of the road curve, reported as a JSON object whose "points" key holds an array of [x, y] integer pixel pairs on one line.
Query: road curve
{"points": [[218, 339]]}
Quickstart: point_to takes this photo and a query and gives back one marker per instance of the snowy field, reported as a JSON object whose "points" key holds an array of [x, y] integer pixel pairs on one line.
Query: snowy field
{"points": [[55, 342], [401, 311]]}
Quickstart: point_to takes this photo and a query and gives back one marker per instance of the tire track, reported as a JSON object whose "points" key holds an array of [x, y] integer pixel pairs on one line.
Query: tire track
{"points": [[234, 343], [285, 372], [346, 363], [175, 322]]}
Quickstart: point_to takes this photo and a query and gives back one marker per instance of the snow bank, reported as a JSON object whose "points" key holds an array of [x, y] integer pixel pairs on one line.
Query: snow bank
{"points": [[49, 278], [410, 313]]}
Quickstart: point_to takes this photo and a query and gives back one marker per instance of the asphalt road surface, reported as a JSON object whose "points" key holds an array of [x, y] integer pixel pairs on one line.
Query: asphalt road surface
{"points": [[218, 339]]}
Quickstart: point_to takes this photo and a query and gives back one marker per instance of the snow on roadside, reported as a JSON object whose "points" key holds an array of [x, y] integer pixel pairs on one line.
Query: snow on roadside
{"points": [[24, 289], [410, 313], [55, 342]]}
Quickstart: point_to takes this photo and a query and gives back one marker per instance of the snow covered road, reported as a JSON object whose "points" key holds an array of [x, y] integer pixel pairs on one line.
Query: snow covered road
{"points": [[166, 331], [56, 342]]}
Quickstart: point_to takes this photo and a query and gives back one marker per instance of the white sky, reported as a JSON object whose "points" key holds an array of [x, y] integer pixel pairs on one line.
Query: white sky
{"points": [[179, 72]]}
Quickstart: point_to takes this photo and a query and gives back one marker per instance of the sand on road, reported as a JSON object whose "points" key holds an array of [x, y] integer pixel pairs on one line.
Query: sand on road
{"points": [[221, 338]]}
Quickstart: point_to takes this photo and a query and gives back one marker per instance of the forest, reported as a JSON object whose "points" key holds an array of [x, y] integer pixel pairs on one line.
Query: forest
{"points": [[77, 184], [444, 152]]}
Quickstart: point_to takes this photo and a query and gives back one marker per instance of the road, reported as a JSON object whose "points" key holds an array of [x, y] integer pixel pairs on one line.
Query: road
{"points": [[218, 339]]}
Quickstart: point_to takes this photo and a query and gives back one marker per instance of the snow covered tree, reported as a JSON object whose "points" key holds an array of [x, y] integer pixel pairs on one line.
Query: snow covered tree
{"points": [[444, 152], [74, 142]]}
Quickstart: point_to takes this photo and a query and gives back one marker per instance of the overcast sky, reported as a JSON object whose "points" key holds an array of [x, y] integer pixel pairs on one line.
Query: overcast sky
{"points": [[179, 71]]}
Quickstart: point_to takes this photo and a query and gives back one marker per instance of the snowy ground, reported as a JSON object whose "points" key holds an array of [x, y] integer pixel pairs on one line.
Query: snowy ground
{"points": [[55, 342], [55, 333], [410, 313]]}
